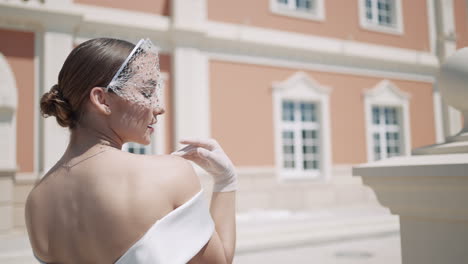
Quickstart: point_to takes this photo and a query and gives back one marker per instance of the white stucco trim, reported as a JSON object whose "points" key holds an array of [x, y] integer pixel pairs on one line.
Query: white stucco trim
{"points": [[8, 106], [385, 93], [313, 66], [191, 95], [189, 15], [317, 15], [55, 48], [431, 22], [300, 87], [91, 21], [397, 30], [438, 116], [248, 36]]}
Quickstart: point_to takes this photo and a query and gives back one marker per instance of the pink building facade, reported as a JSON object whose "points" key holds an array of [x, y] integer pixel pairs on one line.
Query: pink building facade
{"points": [[296, 92]]}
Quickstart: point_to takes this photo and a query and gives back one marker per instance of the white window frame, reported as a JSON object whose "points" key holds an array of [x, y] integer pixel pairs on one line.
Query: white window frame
{"points": [[365, 24], [317, 14], [385, 93], [300, 87], [158, 138]]}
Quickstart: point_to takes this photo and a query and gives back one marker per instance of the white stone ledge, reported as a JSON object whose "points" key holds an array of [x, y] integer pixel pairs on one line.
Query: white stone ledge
{"points": [[446, 165], [118, 17], [290, 40]]}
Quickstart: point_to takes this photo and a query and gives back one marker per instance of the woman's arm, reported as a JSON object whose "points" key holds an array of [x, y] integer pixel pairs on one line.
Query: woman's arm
{"points": [[209, 155], [223, 211]]}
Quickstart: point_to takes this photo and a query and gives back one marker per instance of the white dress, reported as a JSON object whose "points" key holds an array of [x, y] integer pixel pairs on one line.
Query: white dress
{"points": [[174, 239]]}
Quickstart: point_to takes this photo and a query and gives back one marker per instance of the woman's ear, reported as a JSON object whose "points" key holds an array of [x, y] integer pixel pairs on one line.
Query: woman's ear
{"points": [[100, 100]]}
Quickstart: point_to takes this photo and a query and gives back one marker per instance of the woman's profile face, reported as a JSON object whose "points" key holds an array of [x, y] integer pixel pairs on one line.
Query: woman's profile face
{"points": [[137, 87], [134, 122]]}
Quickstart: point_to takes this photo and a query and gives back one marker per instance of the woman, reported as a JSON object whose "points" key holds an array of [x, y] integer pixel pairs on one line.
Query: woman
{"points": [[99, 204]]}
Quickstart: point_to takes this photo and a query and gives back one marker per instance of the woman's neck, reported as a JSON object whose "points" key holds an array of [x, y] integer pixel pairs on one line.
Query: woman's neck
{"points": [[83, 139]]}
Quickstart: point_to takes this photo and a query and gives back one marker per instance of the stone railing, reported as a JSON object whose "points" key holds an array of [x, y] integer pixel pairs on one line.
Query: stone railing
{"points": [[429, 190]]}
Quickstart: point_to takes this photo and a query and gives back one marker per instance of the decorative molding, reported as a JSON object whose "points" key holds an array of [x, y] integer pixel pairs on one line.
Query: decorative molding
{"points": [[313, 66], [306, 46], [386, 93], [191, 95], [90, 21], [301, 87]]}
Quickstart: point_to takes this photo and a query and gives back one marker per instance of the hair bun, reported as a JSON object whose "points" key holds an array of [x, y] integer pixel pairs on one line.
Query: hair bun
{"points": [[53, 104]]}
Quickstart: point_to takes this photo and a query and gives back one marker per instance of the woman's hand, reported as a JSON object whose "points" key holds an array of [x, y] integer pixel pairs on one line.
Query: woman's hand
{"points": [[209, 155]]}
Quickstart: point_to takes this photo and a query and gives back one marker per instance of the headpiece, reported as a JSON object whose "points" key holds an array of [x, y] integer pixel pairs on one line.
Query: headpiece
{"points": [[138, 79]]}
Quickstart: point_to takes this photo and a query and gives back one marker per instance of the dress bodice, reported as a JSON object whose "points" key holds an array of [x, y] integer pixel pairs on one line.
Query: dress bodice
{"points": [[174, 239]]}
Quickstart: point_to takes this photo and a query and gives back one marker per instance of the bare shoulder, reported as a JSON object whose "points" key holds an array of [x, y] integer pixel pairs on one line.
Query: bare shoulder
{"points": [[176, 174]]}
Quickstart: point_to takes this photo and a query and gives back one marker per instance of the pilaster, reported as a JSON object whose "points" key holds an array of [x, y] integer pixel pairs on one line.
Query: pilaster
{"points": [[191, 93], [56, 45], [190, 70]]}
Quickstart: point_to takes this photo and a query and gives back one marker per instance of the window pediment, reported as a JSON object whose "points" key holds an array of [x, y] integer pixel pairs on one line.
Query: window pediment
{"points": [[385, 92], [301, 86]]}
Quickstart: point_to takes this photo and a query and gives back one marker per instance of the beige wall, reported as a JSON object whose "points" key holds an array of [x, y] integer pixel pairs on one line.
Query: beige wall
{"points": [[18, 48], [461, 23], [342, 21], [242, 111], [160, 7]]}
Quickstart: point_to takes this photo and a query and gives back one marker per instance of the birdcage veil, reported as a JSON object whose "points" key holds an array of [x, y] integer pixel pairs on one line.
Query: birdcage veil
{"points": [[138, 79]]}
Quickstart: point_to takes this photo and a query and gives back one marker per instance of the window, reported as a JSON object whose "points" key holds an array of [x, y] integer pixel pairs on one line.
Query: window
{"points": [[386, 132], [137, 148], [308, 9], [387, 118], [381, 15], [302, 128], [300, 136]]}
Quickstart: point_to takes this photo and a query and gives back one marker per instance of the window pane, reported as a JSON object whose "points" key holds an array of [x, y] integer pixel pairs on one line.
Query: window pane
{"points": [[310, 149], [308, 113], [387, 141], [304, 4], [288, 149], [283, 2], [375, 115], [288, 111], [137, 148]]}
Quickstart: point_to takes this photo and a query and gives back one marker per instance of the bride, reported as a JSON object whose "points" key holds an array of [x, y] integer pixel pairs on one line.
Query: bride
{"points": [[99, 204]]}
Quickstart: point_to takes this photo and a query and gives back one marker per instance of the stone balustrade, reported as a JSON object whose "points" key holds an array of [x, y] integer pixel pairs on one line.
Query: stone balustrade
{"points": [[429, 190]]}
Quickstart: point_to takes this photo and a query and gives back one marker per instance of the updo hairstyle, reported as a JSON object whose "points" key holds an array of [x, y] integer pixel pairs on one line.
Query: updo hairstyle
{"points": [[91, 64]]}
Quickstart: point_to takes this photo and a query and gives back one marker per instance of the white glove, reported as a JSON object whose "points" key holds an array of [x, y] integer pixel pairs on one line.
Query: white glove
{"points": [[209, 155]]}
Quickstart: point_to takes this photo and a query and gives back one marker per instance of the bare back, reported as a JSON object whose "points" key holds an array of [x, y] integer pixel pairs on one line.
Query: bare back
{"points": [[95, 211]]}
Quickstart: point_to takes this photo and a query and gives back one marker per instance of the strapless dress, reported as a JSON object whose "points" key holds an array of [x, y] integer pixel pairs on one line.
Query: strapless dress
{"points": [[174, 239]]}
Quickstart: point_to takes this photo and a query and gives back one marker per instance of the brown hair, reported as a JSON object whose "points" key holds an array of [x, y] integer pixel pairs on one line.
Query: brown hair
{"points": [[91, 64]]}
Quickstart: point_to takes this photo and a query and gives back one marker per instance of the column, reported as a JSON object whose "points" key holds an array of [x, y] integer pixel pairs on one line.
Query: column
{"points": [[446, 47], [190, 69], [56, 45], [191, 94]]}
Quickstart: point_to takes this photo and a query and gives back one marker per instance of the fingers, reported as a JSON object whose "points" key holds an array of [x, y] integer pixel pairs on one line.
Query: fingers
{"points": [[209, 144], [193, 151], [183, 150]]}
